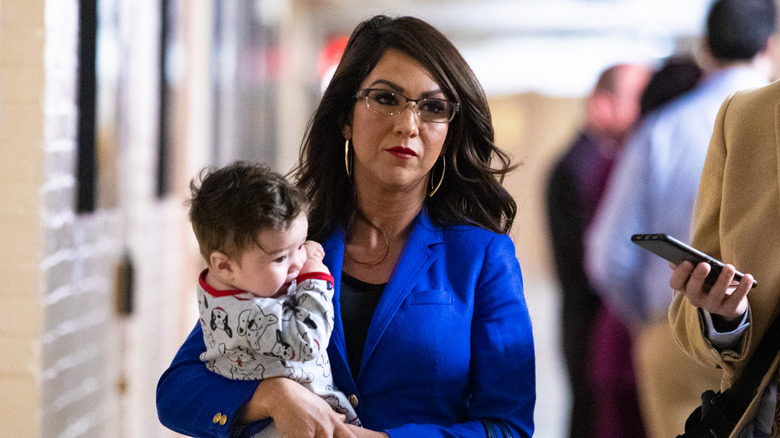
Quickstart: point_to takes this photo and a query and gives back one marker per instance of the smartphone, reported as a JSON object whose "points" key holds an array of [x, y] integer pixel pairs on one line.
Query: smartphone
{"points": [[677, 252]]}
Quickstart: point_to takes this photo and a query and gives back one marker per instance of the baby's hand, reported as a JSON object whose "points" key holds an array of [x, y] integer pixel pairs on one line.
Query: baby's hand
{"points": [[314, 255], [314, 250]]}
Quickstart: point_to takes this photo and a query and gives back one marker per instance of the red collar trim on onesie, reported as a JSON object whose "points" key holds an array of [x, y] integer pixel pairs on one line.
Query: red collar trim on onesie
{"points": [[240, 294]]}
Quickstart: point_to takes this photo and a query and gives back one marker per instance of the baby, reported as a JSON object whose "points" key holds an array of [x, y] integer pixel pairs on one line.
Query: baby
{"points": [[265, 295]]}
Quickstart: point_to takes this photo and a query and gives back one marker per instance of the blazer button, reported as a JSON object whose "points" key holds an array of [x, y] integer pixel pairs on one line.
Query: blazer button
{"points": [[223, 420], [353, 400], [217, 417]]}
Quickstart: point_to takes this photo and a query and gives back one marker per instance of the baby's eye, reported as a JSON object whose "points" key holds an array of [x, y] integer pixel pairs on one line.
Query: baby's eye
{"points": [[280, 259]]}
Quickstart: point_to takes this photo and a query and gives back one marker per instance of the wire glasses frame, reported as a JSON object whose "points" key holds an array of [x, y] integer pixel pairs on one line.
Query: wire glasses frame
{"points": [[390, 103]]}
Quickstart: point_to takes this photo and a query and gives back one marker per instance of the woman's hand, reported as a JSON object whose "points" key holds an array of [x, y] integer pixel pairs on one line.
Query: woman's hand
{"points": [[366, 433], [725, 298], [296, 411]]}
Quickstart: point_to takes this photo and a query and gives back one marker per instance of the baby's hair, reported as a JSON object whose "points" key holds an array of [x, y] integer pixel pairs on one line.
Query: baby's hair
{"points": [[231, 205]]}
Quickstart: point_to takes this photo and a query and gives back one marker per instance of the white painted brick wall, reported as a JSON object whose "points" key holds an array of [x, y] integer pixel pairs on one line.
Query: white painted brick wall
{"points": [[78, 376], [66, 351], [80, 253]]}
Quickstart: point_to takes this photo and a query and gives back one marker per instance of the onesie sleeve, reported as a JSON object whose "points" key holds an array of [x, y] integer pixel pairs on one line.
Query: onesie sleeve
{"points": [[311, 323]]}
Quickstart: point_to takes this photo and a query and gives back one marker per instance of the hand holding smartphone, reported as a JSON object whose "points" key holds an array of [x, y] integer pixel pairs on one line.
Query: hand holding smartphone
{"points": [[677, 252]]}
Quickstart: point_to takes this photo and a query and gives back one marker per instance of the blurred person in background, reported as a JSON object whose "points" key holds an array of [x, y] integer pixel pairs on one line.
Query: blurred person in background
{"points": [[612, 348], [573, 191], [432, 335], [653, 189]]}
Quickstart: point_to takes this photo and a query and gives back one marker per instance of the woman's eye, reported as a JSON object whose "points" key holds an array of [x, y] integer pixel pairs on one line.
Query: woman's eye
{"points": [[385, 98], [433, 106]]}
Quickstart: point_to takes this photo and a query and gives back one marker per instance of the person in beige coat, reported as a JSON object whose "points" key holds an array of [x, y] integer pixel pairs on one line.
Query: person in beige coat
{"points": [[736, 220], [653, 189]]}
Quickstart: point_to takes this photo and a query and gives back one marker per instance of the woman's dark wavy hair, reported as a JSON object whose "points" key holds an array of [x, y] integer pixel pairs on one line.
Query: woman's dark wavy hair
{"points": [[471, 192]]}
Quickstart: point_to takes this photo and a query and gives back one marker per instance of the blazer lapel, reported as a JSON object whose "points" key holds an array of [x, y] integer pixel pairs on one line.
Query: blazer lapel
{"points": [[417, 257], [334, 260]]}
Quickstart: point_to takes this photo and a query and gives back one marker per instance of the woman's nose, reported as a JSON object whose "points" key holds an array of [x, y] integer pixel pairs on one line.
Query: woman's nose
{"points": [[408, 122]]}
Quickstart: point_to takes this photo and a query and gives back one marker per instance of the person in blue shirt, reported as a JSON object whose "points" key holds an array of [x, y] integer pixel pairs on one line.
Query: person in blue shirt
{"points": [[573, 191], [432, 335], [653, 189]]}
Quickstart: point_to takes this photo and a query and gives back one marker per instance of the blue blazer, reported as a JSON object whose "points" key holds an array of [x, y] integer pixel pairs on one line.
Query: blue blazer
{"points": [[450, 343]]}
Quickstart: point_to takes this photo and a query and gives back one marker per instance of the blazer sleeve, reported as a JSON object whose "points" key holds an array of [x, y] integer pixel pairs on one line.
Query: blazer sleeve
{"points": [[705, 231], [503, 357], [195, 401]]}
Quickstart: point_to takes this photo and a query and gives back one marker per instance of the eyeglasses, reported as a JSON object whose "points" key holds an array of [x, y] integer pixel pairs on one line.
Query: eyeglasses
{"points": [[391, 103]]}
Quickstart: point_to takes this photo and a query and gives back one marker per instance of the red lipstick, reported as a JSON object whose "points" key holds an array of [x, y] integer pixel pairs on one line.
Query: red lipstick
{"points": [[402, 152]]}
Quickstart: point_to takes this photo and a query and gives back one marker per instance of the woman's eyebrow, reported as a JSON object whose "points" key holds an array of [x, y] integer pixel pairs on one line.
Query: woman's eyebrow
{"points": [[390, 84], [400, 89]]}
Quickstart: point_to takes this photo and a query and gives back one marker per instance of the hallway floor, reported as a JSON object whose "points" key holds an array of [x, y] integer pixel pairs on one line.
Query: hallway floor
{"points": [[552, 401]]}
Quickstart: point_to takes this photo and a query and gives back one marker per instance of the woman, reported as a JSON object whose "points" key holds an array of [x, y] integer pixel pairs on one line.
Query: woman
{"points": [[432, 335]]}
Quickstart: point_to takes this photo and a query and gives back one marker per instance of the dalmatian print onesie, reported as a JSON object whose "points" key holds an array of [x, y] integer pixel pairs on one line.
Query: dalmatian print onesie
{"points": [[253, 338]]}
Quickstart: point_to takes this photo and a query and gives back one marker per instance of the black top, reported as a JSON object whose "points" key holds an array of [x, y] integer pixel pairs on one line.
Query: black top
{"points": [[358, 301]]}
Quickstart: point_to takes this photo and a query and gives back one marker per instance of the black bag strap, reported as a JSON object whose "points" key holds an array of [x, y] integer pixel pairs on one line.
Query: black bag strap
{"points": [[724, 409], [744, 389], [718, 421]]}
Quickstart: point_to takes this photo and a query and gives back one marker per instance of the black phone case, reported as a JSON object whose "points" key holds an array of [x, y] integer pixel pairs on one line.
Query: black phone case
{"points": [[677, 252]]}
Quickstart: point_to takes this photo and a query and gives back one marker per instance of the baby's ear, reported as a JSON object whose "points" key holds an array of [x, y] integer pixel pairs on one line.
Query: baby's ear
{"points": [[221, 264]]}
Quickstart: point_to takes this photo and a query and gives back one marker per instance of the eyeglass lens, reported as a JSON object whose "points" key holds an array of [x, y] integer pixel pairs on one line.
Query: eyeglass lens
{"points": [[391, 103]]}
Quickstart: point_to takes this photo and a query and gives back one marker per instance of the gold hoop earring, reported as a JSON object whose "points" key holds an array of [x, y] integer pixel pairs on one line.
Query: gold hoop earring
{"points": [[441, 179], [347, 162]]}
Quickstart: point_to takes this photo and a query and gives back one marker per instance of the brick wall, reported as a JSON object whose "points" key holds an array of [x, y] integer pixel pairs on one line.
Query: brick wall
{"points": [[72, 365], [79, 256]]}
